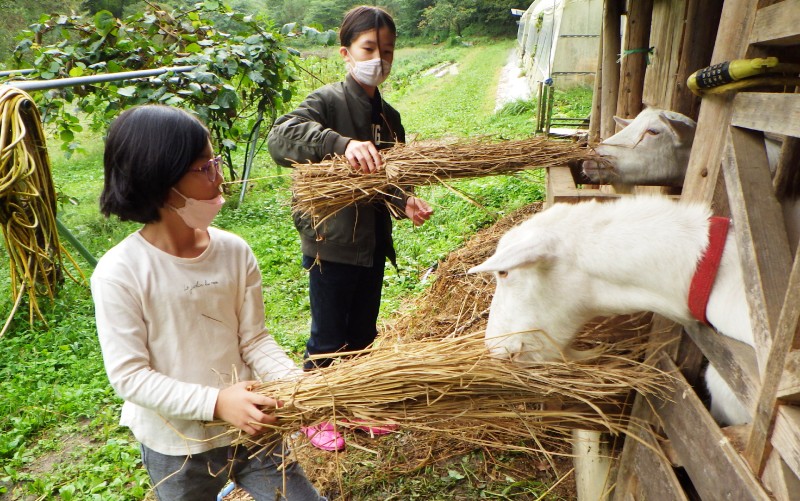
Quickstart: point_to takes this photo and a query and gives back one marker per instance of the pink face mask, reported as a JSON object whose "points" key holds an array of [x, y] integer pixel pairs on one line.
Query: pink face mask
{"points": [[198, 214]]}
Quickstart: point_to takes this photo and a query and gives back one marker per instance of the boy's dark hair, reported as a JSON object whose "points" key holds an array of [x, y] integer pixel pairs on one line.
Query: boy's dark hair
{"points": [[363, 18], [148, 149]]}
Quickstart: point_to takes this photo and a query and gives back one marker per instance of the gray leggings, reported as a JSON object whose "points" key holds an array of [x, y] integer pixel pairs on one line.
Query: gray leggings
{"points": [[201, 476]]}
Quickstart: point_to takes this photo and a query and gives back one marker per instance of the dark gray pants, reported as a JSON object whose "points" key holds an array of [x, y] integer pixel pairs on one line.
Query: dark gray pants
{"points": [[201, 476]]}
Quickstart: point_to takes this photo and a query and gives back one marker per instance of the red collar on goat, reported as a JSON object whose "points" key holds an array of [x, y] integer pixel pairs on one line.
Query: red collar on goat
{"points": [[706, 272]]}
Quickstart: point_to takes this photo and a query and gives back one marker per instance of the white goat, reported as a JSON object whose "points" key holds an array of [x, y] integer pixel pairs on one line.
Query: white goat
{"points": [[573, 262], [651, 149]]}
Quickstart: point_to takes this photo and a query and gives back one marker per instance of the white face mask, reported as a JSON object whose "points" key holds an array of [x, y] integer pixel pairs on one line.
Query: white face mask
{"points": [[371, 72], [198, 214]]}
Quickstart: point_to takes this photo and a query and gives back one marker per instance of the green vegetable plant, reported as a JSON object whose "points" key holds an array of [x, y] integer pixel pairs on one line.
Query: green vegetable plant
{"points": [[242, 72]]}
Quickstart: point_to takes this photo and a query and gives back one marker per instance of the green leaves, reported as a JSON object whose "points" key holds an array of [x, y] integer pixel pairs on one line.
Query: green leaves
{"points": [[241, 66]]}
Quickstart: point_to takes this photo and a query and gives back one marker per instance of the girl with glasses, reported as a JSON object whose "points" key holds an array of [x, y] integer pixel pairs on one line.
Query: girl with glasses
{"points": [[180, 316]]}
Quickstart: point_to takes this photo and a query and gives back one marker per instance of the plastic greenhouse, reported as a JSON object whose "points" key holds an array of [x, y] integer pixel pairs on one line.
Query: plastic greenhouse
{"points": [[558, 42]]}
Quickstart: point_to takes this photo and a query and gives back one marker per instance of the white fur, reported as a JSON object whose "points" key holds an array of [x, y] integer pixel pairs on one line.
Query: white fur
{"points": [[653, 148], [572, 262]]}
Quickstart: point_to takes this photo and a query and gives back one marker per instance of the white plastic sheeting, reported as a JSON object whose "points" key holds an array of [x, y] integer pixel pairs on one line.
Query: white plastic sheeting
{"points": [[558, 41]]}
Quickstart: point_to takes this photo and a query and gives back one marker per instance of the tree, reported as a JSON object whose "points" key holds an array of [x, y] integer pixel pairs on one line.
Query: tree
{"points": [[17, 15], [116, 7], [449, 16], [242, 76], [407, 15]]}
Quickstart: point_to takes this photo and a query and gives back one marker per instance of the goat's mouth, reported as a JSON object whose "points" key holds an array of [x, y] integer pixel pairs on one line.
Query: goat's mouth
{"points": [[600, 171]]}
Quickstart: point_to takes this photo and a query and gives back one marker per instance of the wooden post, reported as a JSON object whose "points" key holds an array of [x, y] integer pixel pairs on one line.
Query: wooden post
{"points": [[702, 19], [594, 118], [633, 65], [735, 26], [611, 49], [539, 107]]}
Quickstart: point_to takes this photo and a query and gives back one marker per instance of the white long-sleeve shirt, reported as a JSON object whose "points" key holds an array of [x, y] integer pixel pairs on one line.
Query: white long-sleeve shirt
{"points": [[173, 331]]}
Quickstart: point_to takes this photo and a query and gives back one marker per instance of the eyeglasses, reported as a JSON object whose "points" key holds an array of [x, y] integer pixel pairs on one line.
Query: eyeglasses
{"points": [[211, 168]]}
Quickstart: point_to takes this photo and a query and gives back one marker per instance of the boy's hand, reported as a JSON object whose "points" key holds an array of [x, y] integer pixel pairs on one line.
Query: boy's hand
{"points": [[418, 210], [363, 156], [241, 408]]}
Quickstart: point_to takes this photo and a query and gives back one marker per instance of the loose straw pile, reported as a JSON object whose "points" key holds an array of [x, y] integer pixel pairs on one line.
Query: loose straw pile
{"points": [[453, 387], [322, 189]]}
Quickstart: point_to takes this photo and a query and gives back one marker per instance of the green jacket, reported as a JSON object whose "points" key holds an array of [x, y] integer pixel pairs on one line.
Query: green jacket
{"points": [[323, 125]]}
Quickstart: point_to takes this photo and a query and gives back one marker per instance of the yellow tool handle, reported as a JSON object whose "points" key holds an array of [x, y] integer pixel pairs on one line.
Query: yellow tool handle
{"points": [[729, 71]]}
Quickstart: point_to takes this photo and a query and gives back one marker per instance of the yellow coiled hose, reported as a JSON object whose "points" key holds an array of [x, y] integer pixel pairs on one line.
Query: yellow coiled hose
{"points": [[27, 203]]}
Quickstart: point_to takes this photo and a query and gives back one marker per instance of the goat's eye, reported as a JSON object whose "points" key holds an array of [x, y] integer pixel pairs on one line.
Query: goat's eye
{"points": [[502, 273], [652, 132]]}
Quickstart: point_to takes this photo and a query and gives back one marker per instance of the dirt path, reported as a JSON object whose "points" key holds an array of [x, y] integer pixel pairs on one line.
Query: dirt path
{"points": [[512, 85]]}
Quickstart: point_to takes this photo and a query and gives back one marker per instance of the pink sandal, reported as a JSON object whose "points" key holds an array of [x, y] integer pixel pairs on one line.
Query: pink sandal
{"points": [[324, 436], [375, 431]]}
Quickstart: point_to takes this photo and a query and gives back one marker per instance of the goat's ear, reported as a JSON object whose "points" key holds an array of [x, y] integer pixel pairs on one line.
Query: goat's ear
{"points": [[623, 122], [683, 127], [517, 254]]}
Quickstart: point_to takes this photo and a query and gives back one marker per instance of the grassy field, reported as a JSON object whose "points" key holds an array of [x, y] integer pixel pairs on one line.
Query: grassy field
{"points": [[59, 437]]}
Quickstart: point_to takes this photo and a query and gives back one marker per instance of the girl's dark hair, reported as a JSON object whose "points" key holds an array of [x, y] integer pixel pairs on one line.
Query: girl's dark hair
{"points": [[361, 19], [148, 149]]}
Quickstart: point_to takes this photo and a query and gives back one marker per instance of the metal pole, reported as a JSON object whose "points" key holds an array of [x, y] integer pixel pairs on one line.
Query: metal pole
{"points": [[9, 73], [29, 85], [60, 83], [75, 243], [250, 154]]}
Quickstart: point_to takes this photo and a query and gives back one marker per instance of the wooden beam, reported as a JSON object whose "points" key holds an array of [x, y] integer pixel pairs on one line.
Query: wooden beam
{"points": [[651, 472], [561, 188], [716, 469], [789, 386], [785, 332], [777, 24], [735, 361], [700, 31], [612, 13], [769, 112], [734, 30], [633, 65], [760, 234], [597, 113], [780, 479], [786, 436], [666, 35]]}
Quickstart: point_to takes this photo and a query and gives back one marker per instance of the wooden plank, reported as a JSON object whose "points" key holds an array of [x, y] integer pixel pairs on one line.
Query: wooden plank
{"points": [[733, 33], [612, 13], [561, 188], [666, 34], [633, 65], [735, 361], [641, 468], [760, 233], [786, 436], [655, 477], [697, 44], [715, 468], [596, 115], [768, 112], [777, 24], [780, 479], [789, 386], [784, 335]]}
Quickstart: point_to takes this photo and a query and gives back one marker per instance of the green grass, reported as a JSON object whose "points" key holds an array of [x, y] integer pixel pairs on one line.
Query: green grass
{"points": [[59, 436]]}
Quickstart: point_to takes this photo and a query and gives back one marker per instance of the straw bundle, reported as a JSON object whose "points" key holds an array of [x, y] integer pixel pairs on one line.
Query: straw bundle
{"points": [[322, 189], [452, 386]]}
